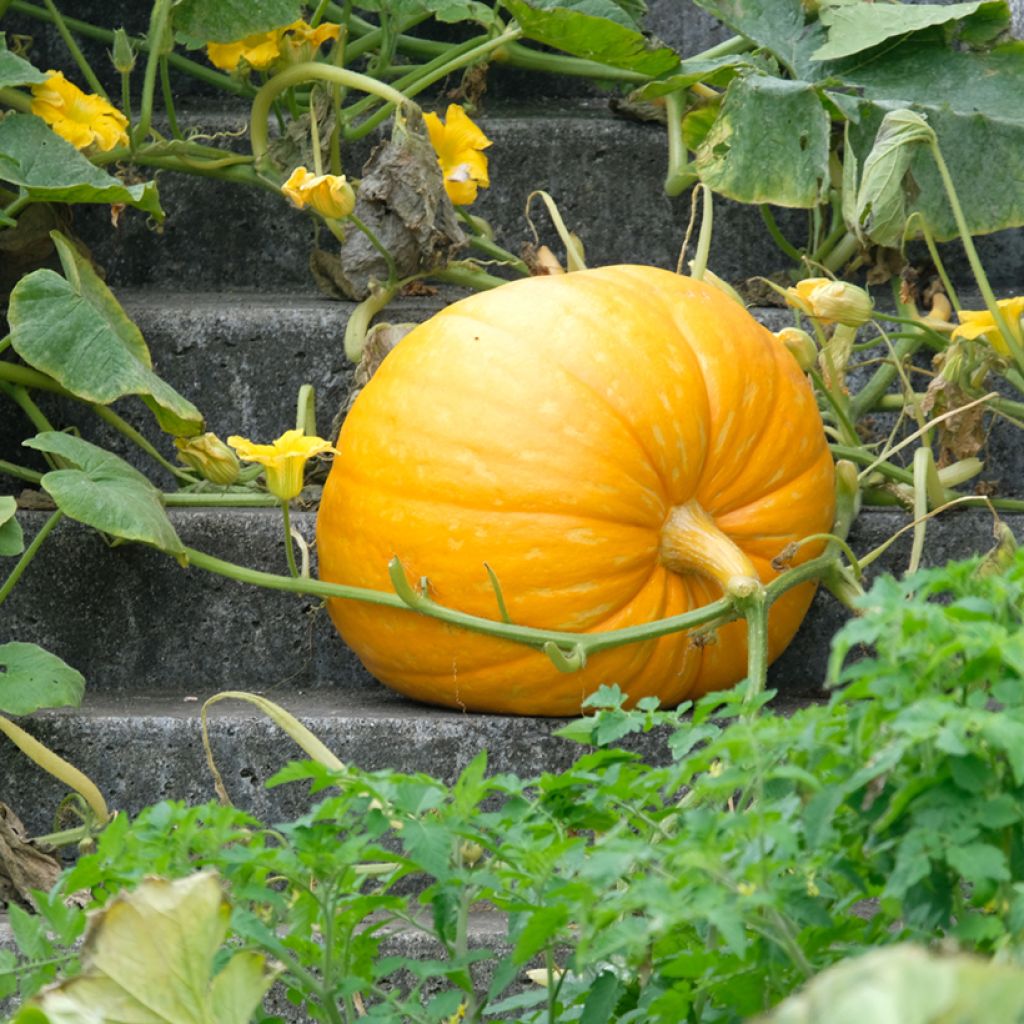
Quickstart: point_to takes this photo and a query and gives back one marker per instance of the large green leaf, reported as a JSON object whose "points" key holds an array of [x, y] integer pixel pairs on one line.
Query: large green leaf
{"points": [[769, 144], [597, 30], [777, 25], [14, 70], [150, 958], [32, 678], [12, 541], [198, 22], [858, 25], [52, 170], [76, 331], [104, 492], [982, 85]]}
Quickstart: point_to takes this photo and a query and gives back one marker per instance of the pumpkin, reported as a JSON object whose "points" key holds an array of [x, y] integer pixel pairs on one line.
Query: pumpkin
{"points": [[615, 444]]}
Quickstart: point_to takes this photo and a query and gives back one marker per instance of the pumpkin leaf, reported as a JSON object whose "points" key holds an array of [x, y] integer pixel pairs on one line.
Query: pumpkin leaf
{"points": [[15, 70], [886, 187], [149, 958], [76, 331], [198, 22], [50, 169], [775, 25], [716, 71], [12, 540], [104, 492], [857, 26], [32, 678], [764, 114], [606, 36]]}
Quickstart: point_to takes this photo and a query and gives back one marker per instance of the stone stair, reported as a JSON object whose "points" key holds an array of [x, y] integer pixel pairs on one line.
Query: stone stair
{"points": [[225, 300]]}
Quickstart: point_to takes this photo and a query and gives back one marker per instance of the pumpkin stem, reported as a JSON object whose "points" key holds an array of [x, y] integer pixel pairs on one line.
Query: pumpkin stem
{"points": [[691, 542]]}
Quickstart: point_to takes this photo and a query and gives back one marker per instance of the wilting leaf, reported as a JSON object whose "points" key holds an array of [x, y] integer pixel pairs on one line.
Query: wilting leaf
{"points": [[148, 958], [104, 492], [23, 866]]}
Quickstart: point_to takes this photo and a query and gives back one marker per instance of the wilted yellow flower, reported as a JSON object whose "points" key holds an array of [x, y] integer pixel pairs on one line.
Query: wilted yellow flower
{"points": [[284, 461], [329, 194], [981, 324], [210, 457], [84, 119], [297, 41], [458, 144], [301, 41], [831, 301]]}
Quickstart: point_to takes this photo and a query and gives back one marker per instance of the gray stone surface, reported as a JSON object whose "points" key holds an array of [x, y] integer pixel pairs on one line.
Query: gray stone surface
{"points": [[153, 641]]}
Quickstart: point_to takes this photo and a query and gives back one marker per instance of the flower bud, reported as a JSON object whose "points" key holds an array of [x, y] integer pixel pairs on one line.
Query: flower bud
{"points": [[210, 457], [831, 301], [801, 346], [123, 54], [470, 853]]}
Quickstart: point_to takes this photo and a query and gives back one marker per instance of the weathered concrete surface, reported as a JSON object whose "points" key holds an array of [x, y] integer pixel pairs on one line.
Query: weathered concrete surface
{"points": [[153, 641]]}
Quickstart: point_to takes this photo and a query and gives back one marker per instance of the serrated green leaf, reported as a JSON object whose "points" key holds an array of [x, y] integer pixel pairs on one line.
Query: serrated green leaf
{"points": [[198, 22], [979, 862], [104, 492], [453, 11], [76, 331], [52, 170], [32, 678], [858, 26], [769, 144], [12, 540], [574, 29], [15, 70]]}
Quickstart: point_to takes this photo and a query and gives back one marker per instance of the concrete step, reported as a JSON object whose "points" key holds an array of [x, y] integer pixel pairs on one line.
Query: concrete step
{"points": [[154, 641]]}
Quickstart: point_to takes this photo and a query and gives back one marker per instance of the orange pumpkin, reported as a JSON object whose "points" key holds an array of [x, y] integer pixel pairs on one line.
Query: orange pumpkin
{"points": [[615, 444]]}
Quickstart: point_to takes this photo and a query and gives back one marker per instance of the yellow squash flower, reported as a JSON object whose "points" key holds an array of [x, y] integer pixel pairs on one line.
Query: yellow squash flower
{"points": [[84, 119], [981, 324], [299, 41], [458, 144], [831, 301], [210, 457], [284, 461], [329, 194]]}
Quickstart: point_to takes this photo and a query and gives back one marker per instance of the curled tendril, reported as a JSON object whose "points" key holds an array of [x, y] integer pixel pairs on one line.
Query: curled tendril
{"points": [[571, 660]]}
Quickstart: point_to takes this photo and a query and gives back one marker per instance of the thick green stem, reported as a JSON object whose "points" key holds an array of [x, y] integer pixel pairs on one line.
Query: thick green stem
{"points": [[881, 380], [359, 321], [219, 499], [680, 175], [977, 268], [127, 430], [28, 554], [466, 276], [777, 236], [168, 96], [158, 25], [289, 544], [20, 472], [17, 100], [843, 252], [309, 71], [438, 71], [76, 54]]}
